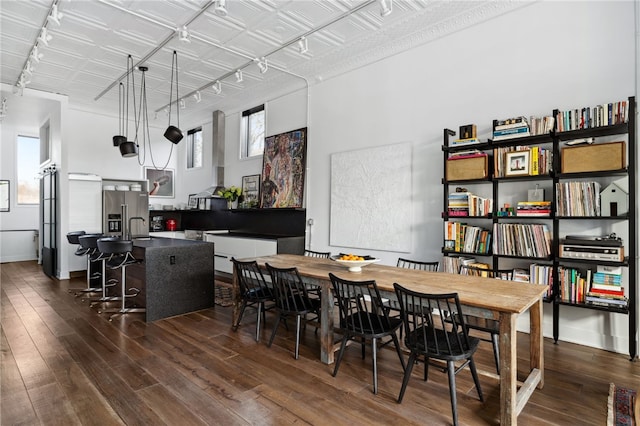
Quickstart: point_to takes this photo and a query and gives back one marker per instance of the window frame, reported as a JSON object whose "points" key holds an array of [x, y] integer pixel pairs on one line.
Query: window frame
{"points": [[190, 143], [244, 131]]}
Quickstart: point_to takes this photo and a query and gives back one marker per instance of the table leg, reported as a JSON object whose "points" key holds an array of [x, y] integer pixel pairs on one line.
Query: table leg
{"points": [[508, 370], [326, 324], [536, 360], [235, 297]]}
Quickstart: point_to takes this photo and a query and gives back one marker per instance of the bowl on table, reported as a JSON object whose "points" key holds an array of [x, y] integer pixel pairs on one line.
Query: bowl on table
{"points": [[354, 265]]}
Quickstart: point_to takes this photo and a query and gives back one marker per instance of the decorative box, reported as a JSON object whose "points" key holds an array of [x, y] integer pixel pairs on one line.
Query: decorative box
{"points": [[594, 158]]}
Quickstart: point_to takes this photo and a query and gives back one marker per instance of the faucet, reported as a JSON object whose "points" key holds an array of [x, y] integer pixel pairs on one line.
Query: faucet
{"points": [[128, 237]]}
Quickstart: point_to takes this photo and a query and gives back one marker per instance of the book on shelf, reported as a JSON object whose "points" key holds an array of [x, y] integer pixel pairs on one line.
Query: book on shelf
{"points": [[578, 198], [541, 125], [512, 131], [471, 153], [606, 301], [612, 293], [533, 208], [463, 142], [510, 123], [591, 117], [511, 136], [522, 239]]}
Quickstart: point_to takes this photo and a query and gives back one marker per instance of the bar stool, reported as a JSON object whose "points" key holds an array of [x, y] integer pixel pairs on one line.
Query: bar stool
{"points": [[72, 238], [90, 249], [103, 258], [120, 257]]}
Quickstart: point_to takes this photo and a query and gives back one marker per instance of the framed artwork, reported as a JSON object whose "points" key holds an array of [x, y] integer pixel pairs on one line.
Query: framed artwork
{"points": [[160, 182], [193, 201], [283, 169], [251, 191], [4, 196], [517, 163]]}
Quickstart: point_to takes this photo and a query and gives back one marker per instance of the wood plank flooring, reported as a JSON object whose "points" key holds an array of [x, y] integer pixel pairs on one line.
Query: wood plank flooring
{"points": [[65, 364]]}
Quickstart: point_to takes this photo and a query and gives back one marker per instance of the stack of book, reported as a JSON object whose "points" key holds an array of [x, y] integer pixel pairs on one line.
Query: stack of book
{"points": [[541, 125], [543, 275], [510, 128], [606, 288], [468, 204], [522, 240], [590, 117], [573, 284], [579, 198], [533, 208], [460, 237], [451, 264], [463, 142]]}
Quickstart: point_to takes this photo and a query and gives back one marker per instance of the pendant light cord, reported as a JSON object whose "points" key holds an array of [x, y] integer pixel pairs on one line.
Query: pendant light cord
{"points": [[174, 68]]}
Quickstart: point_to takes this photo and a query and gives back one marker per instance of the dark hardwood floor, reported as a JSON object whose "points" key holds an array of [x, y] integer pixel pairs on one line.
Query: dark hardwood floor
{"points": [[64, 364]]}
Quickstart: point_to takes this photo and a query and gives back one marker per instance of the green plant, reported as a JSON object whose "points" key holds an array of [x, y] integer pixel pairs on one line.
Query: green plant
{"points": [[231, 193]]}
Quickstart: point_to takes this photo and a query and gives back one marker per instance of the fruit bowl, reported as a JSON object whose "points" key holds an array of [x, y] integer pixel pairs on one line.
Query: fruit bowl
{"points": [[355, 265]]}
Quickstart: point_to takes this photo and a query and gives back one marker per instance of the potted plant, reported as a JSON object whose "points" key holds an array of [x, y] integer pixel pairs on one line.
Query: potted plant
{"points": [[230, 194]]}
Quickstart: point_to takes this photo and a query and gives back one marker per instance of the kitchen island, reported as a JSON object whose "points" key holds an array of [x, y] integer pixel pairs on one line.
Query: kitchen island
{"points": [[175, 276]]}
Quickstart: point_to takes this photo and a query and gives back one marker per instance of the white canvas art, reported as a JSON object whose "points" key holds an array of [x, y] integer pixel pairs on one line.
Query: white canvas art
{"points": [[371, 198]]}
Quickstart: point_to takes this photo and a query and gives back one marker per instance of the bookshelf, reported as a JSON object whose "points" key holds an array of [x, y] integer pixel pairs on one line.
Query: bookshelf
{"points": [[515, 240]]}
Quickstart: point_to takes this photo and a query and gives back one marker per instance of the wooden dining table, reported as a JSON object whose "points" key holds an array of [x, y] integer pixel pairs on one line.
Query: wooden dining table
{"points": [[482, 297]]}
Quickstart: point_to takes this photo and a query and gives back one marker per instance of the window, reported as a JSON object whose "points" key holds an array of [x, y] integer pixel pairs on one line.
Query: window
{"points": [[28, 164], [252, 132], [194, 148]]}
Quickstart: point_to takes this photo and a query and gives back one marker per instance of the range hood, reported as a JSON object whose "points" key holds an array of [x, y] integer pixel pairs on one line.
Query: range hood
{"points": [[217, 141]]}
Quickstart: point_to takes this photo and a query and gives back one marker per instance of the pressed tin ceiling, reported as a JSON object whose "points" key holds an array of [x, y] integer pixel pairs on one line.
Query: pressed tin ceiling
{"points": [[87, 53]]}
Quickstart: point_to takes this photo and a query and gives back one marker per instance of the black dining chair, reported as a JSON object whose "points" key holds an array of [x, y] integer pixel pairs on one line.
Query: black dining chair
{"points": [[319, 254], [363, 317], [312, 288], [486, 325], [254, 291], [292, 300], [416, 264], [433, 333]]}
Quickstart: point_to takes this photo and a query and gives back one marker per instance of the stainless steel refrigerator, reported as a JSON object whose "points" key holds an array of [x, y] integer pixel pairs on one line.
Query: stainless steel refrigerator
{"points": [[125, 213]]}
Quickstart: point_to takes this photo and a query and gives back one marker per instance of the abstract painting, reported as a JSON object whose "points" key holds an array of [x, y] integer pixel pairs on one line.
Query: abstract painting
{"points": [[283, 167]]}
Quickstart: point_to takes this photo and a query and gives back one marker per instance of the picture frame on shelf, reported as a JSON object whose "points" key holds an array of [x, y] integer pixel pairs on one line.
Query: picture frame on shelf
{"points": [[517, 163], [193, 202], [202, 203], [449, 245], [251, 191], [160, 182]]}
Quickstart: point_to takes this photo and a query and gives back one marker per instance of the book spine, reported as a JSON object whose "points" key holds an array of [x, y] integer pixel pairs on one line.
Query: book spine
{"points": [[522, 129]]}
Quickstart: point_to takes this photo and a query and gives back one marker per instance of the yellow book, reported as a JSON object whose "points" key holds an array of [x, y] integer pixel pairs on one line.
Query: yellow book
{"points": [[534, 169]]}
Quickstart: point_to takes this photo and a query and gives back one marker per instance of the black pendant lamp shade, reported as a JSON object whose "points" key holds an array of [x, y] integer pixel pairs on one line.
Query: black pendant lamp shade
{"points": [[173, 133], [128, 149], [119, 140]]}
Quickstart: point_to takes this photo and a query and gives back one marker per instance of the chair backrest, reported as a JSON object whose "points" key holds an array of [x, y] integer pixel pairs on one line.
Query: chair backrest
{"points": [[251, 280], [360, 306], [415, 264], [499, 274], [72, 237], [321, 254], [89, 240], [429, 325], [289, 290]]}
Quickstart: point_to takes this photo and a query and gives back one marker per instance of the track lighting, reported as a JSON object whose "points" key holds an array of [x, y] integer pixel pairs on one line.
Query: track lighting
{"points": [[183, 104], [45, 37], [35, 55], [29, 68], [217, 87], [22, 82], [220, 7], [262, 64], [197, 96], [303, 46], [184, 35], [239, 76], [55, 15], [386, 7]]}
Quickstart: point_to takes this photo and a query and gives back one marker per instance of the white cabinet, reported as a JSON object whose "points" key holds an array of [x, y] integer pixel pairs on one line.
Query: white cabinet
{"points": [[226, 247]]}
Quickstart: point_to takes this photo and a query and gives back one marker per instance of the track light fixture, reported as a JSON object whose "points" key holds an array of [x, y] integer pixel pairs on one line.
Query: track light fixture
{"points": [[183, 104], [197, 96], [45, 37], [220, 7], [36, 55], [29, 68], [386, 7], [303, 46], [184, 34], [217, 87], [22, 82], [239, 76], [263, 65], [55, 15]]}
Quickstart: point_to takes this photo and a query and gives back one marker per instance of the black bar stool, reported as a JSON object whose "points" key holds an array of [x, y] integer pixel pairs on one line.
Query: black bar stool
{"points": [[103, 258], [72, 238], [90, 249], [120, 257]]}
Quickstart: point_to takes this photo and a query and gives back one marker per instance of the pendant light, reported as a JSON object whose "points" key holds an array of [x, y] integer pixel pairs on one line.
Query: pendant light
{"points": [[173, 133], [119, 139], [128, 148]]}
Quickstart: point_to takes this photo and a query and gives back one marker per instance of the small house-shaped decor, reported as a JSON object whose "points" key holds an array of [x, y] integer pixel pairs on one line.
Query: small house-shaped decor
{"points": [[614, 201]]}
